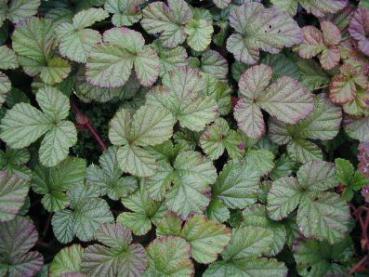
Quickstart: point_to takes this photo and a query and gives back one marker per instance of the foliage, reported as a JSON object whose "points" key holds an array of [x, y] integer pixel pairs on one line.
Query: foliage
{"points": [[184, 138]]}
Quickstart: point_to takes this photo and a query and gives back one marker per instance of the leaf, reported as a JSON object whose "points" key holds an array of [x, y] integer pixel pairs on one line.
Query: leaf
{"points": [[285, 99], [199, 30], [110, 63], [17, 238], [108, 176], [116, 255], [326, 218], [5, 87], [320, 259], [271, 30], [207, 238], [193, 174], [358, 129], [284, 197], [8, 58], [19, 10], [237, 185], [214, 64], [318, 9], [358, 28], [168, 20], [182, 94], [13, 192], [144, 211], [125, 13], [84, 217], [148, 126], [168, 257], [254, 267], [76, 40], [67, 261], [222, 4], [218, 137], [54, 182], [248, 242]]}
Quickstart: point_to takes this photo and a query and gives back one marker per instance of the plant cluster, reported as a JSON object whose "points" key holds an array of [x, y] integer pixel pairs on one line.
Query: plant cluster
{"points": [[184, 138]]}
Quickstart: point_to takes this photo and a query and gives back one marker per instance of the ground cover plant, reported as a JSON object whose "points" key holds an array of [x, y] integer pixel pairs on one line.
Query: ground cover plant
{"points": [[184, 138]]}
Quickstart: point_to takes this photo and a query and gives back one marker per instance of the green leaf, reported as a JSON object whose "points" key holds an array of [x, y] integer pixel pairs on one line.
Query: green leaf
{"points": [[222, 4], [207, 238], [248, 242], [285, 99], [5, 87], [144, 212], [319, 259], [193, 174], [17, 238], [110, 63], [55, 71], [116, 255], [258, 28], [326, 218], [13, 193], [148, 126], [169, 20], [182, 93], [8, 58], [237, 185], [289, 6], [256, 215], [358, 129], [19, 10], [53, 183], [125, 12], [67, 261], [218, 137], [169, 257], [199, 30], [254, 267], [85, 216], [108, 176], [76, 40]]}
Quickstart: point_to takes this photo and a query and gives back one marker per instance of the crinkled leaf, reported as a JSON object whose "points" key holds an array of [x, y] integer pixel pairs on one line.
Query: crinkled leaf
{"points": [[67, 261], [110, 63], [125, 12], [13, 191], [17, 237], [169, 257], [285, 99], [117, 256], [168, 20], [8, 59], [258, 28]]}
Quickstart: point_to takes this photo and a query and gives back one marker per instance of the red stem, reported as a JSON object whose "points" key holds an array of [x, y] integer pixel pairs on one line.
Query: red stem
{"points": [[84, 122]]}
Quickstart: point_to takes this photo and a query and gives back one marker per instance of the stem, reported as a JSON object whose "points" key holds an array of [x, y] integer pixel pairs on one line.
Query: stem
{"points": [[358, 265], [85, 122]]}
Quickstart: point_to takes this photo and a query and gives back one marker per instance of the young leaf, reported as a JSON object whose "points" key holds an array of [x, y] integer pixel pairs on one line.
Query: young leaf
{"points": [[182, 93], [17, 237], [169, 257], [110, 63], [258, 28], [116, 255], [286, 99], [125, 12], [13, 191], [76, 40], [24, 124]]}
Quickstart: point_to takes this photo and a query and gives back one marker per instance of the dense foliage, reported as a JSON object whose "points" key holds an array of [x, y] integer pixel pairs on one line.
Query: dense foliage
{"points": [[184, 138]]}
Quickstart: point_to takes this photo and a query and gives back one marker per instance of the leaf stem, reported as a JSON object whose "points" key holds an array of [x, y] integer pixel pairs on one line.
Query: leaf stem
{"points": [[84, 122]]}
